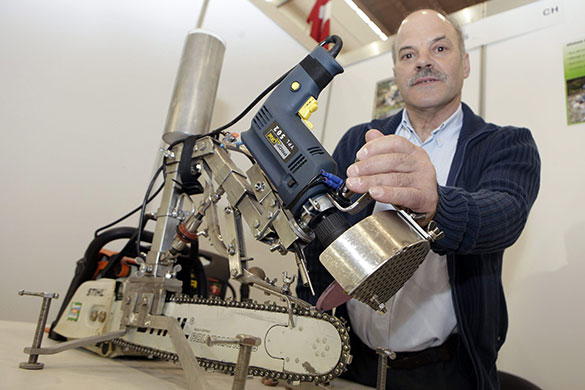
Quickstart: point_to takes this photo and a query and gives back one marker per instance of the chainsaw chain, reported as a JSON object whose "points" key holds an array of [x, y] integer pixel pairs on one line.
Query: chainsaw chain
{"points": [[344, 359]]}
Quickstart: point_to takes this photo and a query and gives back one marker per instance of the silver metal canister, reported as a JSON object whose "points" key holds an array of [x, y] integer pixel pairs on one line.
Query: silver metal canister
{"points": [[195, 87], [373, 259]]}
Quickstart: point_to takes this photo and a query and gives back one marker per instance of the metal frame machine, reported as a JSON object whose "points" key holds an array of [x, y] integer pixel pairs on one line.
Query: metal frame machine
{"points": [[138, 303]]}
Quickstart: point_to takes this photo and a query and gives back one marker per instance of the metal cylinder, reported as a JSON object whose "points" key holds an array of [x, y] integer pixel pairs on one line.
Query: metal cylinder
{"points": [[195, 86], [373, 259]]}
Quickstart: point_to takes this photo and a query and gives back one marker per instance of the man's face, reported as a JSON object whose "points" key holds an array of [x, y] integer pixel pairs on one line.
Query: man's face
{"points": [[429, 68]]}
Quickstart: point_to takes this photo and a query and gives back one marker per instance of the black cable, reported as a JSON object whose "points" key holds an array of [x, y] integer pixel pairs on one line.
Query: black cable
{"points": [[216, 132], [232, 289], [97, 232], [144, 203]]}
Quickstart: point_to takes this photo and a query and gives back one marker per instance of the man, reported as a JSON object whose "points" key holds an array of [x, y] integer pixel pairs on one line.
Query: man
{"points": [[476, 180]]}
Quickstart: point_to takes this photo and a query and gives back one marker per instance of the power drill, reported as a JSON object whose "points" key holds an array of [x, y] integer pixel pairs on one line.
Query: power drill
{"points": [[281, 142]]}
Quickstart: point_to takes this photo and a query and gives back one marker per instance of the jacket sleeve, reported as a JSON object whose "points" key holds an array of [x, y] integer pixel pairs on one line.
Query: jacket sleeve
{"points": [[499, 182]]}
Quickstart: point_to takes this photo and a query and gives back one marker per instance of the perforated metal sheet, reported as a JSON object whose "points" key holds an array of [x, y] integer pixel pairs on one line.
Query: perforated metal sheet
{"points": [[383, 283]]}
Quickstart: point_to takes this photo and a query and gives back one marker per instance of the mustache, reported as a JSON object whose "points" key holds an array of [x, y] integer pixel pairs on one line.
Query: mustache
{"points": [[426, 72]]}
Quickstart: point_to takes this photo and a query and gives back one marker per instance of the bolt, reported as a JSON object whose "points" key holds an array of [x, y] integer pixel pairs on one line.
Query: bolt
{"points": [[256, 223], [93, 315], [231, 250], [228, 210], [102, 317]]}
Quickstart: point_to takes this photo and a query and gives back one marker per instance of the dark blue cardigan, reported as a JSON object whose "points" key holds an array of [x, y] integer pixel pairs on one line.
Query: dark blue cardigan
{"points": [[492, 184]]}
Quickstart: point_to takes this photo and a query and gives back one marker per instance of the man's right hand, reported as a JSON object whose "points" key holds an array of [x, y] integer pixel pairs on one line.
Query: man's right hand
{"points": [[393, 170]]}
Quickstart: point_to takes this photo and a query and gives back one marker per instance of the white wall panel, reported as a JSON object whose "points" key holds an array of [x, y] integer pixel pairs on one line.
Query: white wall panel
{"points": [[85, 88], [543, 270]]}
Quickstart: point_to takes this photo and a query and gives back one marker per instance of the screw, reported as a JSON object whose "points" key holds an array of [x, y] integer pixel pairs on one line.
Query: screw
{"points": [[260, 186]]}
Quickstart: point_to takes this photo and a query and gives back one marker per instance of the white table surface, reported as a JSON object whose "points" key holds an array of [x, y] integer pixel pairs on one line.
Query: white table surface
{"points": [[81, 369]]}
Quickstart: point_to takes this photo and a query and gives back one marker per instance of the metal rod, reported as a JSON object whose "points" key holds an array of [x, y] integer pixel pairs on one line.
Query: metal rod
{"points": [[383, 355], [202, 14], [83, 342], [381, 381], [33, 363], [241, 371]]}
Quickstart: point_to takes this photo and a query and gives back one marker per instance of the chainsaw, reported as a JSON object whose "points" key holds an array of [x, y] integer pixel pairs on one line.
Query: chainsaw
{"points": [[150, 299]]}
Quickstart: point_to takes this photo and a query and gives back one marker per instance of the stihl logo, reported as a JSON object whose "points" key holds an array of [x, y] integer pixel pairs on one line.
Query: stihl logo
{"points": [[95, 292]]}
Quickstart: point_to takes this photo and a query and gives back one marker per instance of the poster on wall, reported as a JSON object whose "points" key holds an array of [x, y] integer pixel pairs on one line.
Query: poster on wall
{"points": [[574, 60], [388, 100]]}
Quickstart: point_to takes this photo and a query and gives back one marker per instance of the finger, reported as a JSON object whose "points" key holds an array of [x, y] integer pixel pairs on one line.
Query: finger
{"points": [[383, 163], [373, 134], [363, 184], [386, 144], [407, 197]]}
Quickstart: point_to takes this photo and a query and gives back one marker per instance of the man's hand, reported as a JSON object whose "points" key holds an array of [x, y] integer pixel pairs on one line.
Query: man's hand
{"points": [[395, 171]]}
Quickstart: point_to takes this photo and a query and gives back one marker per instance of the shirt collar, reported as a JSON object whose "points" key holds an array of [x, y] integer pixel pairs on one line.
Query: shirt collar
{"points": [[448, 128]]}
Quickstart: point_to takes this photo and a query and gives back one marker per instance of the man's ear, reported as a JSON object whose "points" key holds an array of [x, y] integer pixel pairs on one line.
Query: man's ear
{"points": [[466, 67]]}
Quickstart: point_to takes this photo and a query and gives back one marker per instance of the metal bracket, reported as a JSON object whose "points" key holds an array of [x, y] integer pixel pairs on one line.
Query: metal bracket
{"points": [[233, 241], [255, 281], [193, 372]]}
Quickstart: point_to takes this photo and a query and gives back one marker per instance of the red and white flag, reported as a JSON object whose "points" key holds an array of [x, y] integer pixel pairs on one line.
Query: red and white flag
{"points": [[319, 20]]}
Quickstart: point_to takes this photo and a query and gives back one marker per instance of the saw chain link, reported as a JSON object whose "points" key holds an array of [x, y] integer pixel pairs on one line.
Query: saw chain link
{"points": [[229, 368]]}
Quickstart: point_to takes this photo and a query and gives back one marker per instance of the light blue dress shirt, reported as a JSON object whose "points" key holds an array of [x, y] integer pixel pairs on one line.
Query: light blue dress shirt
{"points": [[421, 314]]}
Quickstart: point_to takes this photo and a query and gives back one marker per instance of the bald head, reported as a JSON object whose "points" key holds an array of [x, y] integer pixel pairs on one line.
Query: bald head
{"points": [[420, 18]]}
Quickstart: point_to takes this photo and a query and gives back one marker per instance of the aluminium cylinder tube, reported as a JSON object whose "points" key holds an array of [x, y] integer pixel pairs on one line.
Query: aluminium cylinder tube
{"points": [[195, 86], [373, 259]]}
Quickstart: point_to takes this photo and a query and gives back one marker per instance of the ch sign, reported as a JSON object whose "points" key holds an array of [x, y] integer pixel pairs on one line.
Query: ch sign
{"points": [[509, 24]]}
